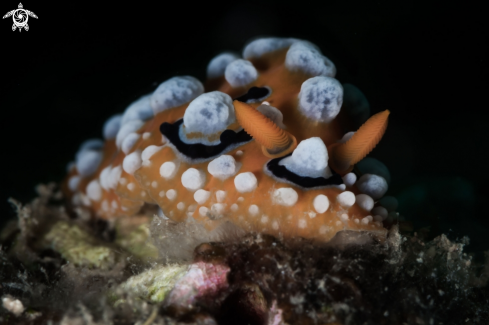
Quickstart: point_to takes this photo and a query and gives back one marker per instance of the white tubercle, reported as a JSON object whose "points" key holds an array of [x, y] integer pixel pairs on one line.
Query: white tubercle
{"points": [[222, 167], [138, 110], [320, 98], [174, 92], [346, 199], [149, 151], [94, 191], [349, 179], [218, 64], [207, 114], [126, 129], [73, 182], [245, 182], [168, 170], [129, 142], [309, 159], [253, 210], [201, 196], [285, 196], [132, 162], [261, 46], [115, 176], [193, 179], [111, 127], [364, 201], [105, 178], [373, 185], [171, 194], [305, 57], [321, 203], [221, 196], [240, 73], [87, 161]]}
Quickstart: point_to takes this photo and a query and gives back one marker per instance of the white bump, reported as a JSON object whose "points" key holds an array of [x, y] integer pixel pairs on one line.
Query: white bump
{"points": [[365, 202], [143, 193], [349, 179], [373, 185], [114, 176], [239, 153], [123, 181], [168, 170], [171, 194], [94, 190], [357, 221], [240, 199], [253, 210], [175, 92], [126, 129], [285, 196], [321, 203], [218, 209], [381, 211], [146, 135], [346, 199], [365, 221], [208, 114], [111, 127], [114, 204], [73, 182], [201, 196], [221, 196], [240, 73], [344, 217], [234, 207], [105, 178], [320, 98], [132, 162], [302, 223], [203, 211], [309, 159], [222, 167], [193, 179], [87, 161], [305, 57], [149, 151], [264, 219], [261, 46], [311, 214], [245, 182], [140, 109], [161, 194], [131, 186], [129, 142], [180, 206], [154, 184], [218, 64]]}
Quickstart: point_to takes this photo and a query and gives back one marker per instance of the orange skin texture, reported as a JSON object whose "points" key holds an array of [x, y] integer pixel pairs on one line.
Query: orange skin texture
{"points": [[300, 219]]}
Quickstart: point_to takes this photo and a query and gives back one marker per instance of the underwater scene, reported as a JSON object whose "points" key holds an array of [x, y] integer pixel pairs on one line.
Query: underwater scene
{"points": [[253, 163]]}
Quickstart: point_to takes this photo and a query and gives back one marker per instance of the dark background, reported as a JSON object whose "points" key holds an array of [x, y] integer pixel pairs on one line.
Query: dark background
{"points": [[427, 63]]}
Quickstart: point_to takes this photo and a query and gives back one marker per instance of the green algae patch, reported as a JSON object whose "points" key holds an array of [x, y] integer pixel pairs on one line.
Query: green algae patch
{"points": [[79, 247], [137, 242], [152, 285]]}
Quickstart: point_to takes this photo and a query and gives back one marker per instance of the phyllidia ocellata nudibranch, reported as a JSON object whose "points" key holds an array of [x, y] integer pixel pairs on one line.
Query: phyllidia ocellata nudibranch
{"points": [[267, 145]]}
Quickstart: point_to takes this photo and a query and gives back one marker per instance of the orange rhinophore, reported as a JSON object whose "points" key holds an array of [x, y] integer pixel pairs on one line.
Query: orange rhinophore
{"points": [[347, 154], [265, 147], [275, 141]]}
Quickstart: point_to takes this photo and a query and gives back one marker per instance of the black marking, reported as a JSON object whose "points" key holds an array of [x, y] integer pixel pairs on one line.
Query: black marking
{"points": [[255, 94], [306, 182], [198, 150]]}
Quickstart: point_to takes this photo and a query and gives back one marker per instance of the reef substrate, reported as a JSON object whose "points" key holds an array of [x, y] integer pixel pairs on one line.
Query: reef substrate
{"points": [[61, 267]]}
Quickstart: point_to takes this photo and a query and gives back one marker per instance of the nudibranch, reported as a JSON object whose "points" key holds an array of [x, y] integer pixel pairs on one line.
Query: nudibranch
{"points": [[267, 144]]}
